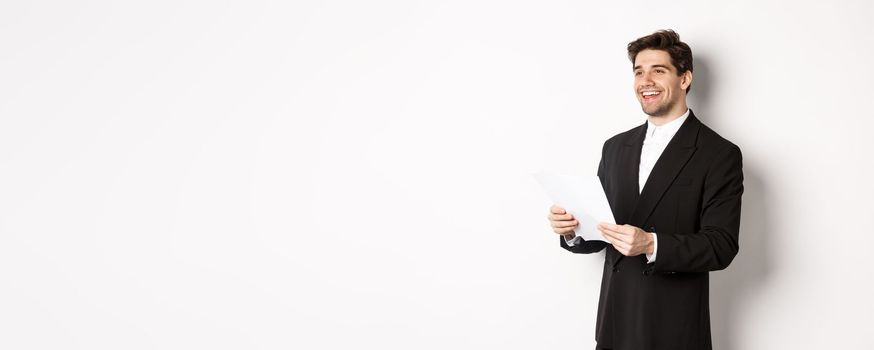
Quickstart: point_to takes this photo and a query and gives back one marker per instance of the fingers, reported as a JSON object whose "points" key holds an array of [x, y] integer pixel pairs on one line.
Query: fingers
{"points": [[564, 227], [625, 238], [625, 230], [613, 234], [559, 217], [622, 247], [563, 231], [557, 213], [613, 227], [563, 223]]}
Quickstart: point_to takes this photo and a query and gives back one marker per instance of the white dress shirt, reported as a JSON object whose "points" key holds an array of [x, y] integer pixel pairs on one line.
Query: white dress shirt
{"points": [[657, 138]]}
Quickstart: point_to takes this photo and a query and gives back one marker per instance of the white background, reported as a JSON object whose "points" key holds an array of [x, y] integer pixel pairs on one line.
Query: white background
{"points": [[345, 174]]}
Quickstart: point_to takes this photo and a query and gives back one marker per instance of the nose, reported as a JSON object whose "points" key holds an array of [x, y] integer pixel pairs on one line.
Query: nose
{"points": [[645, 80]]}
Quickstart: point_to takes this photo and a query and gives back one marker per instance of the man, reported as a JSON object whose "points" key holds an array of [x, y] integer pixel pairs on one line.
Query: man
{"points": [[675, 187]]}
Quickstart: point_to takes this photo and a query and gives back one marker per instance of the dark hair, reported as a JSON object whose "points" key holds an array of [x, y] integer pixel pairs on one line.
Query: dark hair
{"points": [[668, 41]]}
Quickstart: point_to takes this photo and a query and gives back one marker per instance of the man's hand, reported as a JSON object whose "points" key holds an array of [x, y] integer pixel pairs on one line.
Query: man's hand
{"points": [[627, 239], [562, 222]]}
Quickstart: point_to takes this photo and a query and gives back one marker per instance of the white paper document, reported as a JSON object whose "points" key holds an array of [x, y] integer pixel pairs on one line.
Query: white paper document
{"points": [[581, 196]]}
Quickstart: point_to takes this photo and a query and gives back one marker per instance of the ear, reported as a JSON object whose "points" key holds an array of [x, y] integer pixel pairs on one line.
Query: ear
{"points": [[686, 80]]}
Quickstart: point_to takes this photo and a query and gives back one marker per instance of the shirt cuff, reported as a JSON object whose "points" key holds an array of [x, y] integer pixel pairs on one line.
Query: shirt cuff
{"points": [[574, 241], [650, 258]]}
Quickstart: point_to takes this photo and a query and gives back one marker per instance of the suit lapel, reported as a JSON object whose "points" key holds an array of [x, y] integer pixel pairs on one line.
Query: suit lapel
{"points": [[627, 192], [678, 151], [629, 168]]}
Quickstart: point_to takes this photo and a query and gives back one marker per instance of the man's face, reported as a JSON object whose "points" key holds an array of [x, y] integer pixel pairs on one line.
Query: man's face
{"points": [[660, 90]]}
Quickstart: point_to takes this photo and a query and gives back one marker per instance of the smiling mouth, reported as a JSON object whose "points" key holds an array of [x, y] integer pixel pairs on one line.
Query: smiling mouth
{"points": [[650, 95]]}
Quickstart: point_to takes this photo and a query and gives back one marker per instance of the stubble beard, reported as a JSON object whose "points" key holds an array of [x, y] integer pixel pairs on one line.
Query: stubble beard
{"points": [[660, 110]]}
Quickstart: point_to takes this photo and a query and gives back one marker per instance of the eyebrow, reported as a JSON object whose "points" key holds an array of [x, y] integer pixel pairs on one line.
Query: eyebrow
{"points": [[654, 66]]}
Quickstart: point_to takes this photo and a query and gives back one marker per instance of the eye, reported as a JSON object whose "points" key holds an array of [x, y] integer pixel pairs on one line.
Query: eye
{"points": [[636, 73], [660, 71]]}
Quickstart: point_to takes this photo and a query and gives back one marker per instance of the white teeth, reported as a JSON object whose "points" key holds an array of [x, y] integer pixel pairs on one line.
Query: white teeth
{"points": [[650, 93]]}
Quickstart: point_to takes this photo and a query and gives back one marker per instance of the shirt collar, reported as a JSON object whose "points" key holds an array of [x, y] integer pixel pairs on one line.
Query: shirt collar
{"points": [[668, 129]]}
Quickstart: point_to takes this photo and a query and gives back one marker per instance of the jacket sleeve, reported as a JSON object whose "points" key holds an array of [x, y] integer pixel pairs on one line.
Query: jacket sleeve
{"points": [[584, 247], [715, 245]]}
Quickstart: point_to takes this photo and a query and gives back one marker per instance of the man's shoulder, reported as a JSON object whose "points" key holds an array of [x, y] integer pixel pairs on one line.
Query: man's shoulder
{"points": [[707, 138], [710, 139], [626, 137]]}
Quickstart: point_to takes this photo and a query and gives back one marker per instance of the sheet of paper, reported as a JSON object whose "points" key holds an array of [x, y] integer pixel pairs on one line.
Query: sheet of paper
{"points": [[583, 197]]}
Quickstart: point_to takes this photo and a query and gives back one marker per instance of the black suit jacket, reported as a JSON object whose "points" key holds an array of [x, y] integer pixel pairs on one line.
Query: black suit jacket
{"points": [[692, 201]]}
